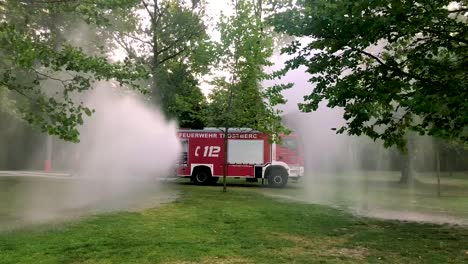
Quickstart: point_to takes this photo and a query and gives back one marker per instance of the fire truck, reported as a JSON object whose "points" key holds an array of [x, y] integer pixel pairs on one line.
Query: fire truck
{"points": [[249, 155]]}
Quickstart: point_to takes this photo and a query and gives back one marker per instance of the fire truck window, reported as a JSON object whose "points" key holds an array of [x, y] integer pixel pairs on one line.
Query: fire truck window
{"points": [[245, 151], [184, 154], [289, 143], [184, 144]]}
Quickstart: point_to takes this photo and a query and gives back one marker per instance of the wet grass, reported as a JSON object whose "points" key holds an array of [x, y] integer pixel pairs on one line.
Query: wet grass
{"points": [[35, 200], [241, 226], [18, 194], [378, 191]]}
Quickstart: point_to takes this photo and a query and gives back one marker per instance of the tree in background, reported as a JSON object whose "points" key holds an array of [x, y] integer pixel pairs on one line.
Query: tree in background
{"points": [[393, 66], [238, 99], [35, 52], [186, 101], [170, 38]]}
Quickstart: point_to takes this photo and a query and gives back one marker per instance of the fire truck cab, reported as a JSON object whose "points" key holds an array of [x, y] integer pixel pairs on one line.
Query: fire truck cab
{"points": [[249, 155]]}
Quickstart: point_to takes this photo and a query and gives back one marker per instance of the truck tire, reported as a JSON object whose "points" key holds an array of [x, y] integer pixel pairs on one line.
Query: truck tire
{"points": [[202, 177], [277, 177]]}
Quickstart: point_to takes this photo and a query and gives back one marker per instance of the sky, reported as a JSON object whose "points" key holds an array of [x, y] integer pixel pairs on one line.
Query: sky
{"points": [[214, 9]]}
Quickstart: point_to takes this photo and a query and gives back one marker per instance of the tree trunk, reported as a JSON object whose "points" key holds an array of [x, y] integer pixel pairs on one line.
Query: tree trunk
{"points": [[259, 10], [3, 141], [407, 172], [48, 156], [225, 151], [438, 171], [158, 94], [449, 164], [366, 192]]}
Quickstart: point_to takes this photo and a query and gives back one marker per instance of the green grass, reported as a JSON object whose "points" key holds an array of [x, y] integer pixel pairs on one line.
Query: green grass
{"points": [[241, 226]]}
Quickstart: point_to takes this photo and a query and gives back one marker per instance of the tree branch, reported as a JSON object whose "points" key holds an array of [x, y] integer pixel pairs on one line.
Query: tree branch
{"points": [[160, 13], [387, 66], [149, 12], [175, 42], [172, 56], [50, 1], [371, 55], [138, 39], [14, 88], [458, 10], [119, 41], [447, 36], [64, 82], [130, 51]]}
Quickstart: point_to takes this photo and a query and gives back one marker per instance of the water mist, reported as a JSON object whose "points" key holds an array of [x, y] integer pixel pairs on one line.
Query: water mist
{"points": [[356, 173], [125, 147]]}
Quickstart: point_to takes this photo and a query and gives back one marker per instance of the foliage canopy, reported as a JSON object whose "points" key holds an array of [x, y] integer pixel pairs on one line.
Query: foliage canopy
{"points": [[394, 66], [35, 52], [170, 38]]}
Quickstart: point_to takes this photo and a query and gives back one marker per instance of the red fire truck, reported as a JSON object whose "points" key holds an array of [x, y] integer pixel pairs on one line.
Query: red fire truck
{"points": [[249, 155]]}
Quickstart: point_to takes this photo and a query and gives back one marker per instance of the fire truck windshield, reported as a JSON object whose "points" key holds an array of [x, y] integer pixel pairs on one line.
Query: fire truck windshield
{"points": [[289, 143]]}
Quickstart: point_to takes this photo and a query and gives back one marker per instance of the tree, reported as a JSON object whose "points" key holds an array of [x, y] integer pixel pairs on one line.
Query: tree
{"points": [[393, 66], [35, 53], [238, 100], [186, 103], [454, 153], [170, 37]]}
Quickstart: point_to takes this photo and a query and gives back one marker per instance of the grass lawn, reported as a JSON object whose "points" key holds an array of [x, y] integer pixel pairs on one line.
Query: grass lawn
{"points": [[241, 226]]}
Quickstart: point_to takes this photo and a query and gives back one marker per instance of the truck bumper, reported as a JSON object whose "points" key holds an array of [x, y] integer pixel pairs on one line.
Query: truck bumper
{"points": [[296, 171]]}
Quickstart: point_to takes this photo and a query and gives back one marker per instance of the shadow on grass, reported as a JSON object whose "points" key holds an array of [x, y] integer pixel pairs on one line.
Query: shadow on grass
{"points": [[239, 184]]}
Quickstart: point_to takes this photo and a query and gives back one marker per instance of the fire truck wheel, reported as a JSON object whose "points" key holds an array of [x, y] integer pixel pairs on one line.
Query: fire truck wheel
{"points": [[277, 178], [202, 176]]}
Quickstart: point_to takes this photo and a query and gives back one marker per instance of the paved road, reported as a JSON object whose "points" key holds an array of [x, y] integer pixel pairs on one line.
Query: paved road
{"points": [[56, 175], [42, 174]]}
